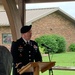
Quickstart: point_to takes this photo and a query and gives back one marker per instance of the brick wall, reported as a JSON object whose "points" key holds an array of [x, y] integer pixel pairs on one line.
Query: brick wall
{"points": [[51, 24], [54, 24]]}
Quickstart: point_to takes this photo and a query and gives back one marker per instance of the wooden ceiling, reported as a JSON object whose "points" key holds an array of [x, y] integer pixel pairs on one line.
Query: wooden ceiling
{"points": [[40, 1]]}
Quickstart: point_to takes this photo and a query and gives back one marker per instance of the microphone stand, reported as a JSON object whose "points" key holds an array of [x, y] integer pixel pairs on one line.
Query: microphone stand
{"points": [[49, 49], [50, 70]]}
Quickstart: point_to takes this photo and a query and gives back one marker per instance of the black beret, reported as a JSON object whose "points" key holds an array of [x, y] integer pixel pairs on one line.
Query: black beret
{"points": [[25, 29]]}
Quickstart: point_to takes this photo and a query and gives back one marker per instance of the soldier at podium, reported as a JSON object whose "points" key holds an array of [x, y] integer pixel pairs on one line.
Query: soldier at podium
{"points": [[25, 50]]}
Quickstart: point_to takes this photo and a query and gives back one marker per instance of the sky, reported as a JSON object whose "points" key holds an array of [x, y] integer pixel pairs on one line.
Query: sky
{"points": [[67, 6]]}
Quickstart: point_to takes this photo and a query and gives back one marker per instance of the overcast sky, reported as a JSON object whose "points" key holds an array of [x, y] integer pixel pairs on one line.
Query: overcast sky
{"points": [[68, 7]]}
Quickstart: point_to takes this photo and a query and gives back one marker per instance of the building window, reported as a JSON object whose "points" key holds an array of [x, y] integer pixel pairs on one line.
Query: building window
{"points": [[6, 38]]}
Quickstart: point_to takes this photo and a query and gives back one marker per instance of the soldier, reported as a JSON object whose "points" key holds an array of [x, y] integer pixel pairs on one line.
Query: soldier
{"points": [[25, 50]]}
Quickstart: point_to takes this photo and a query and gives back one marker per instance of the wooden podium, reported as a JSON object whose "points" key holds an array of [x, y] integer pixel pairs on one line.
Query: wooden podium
{"points": [[35, 67]]}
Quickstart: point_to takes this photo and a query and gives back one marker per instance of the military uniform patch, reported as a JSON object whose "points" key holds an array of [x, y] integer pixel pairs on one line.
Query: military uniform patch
{"points": [[20, 48]]}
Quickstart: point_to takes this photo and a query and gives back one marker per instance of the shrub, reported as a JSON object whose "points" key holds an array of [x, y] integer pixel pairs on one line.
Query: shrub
{"points": [[72, 47], [61, 42], [56, 43]]}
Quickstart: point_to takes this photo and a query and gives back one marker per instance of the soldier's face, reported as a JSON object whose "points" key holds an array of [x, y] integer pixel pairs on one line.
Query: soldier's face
{"points": [[28, 35]]}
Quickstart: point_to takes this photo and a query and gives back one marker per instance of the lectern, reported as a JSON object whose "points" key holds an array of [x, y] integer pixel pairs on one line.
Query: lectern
{"points": [[35, 67]]}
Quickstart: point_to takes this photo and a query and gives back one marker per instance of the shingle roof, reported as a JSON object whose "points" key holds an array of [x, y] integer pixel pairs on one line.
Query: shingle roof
{"points": [[35, 14], [3, 19]]}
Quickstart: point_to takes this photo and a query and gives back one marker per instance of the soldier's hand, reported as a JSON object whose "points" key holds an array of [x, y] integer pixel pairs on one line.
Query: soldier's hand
{"points": [[17, 64]]}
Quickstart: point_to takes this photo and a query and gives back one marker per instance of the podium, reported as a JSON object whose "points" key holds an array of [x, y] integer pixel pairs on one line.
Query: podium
{"points": [[35, 67]]}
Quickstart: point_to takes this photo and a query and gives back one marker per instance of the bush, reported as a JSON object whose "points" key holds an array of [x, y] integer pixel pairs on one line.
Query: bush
{"points": [[61, 42], [72, 47], [55, 42]]}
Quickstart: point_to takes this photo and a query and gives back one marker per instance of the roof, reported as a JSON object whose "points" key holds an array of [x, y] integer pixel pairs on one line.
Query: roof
{"points": [[3, 19], [35, 14]]}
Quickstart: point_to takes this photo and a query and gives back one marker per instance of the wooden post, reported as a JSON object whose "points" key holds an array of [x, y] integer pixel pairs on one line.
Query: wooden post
{"points": [[14, 18], [36, 70]]}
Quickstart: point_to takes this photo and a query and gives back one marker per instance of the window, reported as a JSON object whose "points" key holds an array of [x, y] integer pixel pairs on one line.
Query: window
{"points": [[6, 38]]}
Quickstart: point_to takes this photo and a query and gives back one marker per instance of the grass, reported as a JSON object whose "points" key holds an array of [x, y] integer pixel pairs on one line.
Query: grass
{"points": [[62, 59]]}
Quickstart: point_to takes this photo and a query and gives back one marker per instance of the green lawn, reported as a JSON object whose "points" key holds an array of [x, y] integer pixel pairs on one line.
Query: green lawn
{"points": [[62, 59]]}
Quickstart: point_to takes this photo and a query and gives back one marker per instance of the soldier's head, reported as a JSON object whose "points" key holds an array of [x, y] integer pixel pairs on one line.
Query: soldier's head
{"points": [[26, 32]]}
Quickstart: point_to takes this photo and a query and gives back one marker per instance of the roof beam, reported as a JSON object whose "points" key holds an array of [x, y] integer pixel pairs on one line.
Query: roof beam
{"points": [[21, 6], [41, 1]]}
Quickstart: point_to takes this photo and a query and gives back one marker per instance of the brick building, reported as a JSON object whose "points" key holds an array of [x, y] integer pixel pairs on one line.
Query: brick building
{"points": [[44, 21]]}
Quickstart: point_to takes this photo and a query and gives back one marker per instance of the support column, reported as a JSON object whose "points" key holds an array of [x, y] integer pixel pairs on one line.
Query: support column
{"points": [[21, 5], [14, 18]]}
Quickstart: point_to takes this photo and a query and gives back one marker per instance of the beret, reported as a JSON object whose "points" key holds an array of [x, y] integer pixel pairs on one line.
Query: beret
{"points": [[25, 29]]}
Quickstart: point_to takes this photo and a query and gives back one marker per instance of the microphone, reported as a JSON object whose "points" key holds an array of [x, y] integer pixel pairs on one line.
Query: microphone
{"points": [[45, 46]]}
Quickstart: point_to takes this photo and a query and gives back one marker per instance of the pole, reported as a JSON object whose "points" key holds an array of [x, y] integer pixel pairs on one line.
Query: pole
{"points": [[50, 70]]}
